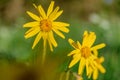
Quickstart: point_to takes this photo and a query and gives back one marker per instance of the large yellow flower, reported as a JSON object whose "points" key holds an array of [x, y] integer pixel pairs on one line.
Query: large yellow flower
{"points": [[85, 53], [45, 24], [98, 68]]}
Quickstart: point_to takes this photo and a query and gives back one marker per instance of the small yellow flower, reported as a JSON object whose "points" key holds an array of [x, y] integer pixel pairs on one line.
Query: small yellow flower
{"points": [[45, 24], [98, 68], [85, 53]]}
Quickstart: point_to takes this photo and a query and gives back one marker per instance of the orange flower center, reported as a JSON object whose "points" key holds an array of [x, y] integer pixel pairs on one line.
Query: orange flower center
{"points": [[45, 25], [85, 51]]}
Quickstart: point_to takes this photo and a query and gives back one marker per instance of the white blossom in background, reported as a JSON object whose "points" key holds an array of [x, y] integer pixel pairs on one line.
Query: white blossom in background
{"points": [[5, 37], [94, 18], [102, 22]]}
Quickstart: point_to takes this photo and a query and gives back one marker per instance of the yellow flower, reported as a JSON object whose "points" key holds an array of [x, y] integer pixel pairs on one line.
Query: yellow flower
{"points": [[45, 24], [98, 68], [85, 53]]}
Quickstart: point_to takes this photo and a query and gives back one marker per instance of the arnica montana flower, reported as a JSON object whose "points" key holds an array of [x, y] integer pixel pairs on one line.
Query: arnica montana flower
{"points": [[45, 24], [98, 68], [85, 53]]}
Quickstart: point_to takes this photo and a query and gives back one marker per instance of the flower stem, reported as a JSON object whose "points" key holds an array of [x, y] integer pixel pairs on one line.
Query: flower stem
{"points": [[67, 75], [78, 77], [61, 76], [44, 53]]}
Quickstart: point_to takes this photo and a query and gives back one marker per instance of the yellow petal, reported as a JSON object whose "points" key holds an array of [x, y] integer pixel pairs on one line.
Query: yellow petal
{"points": [[85, 33], [76, 55], [50, 9], [92, 64], [91, 39], [38, 10], [59, 33], [75, 60], [79, 45], [95, 74], [60, 24], [73, 52], [61, 28], [50, 44], [57, 15], [101, 68], [73, 44], [52, 39], [85, 38], [37, 39], [42, 12], [87, 67], [95, 52], [31, 24], [70, 41], [35, 6], [33, 16], [31, 29], [101, 59], [90, 71], [99, 46], [93, 57], [81, 66], [32, 33], [52, 15]]}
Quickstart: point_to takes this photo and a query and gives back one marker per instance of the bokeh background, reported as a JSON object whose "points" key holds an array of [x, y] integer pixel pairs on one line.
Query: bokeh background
{"points": [[19, 62]]}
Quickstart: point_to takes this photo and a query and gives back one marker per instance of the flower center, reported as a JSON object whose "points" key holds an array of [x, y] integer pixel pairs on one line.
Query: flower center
{"points": [[45, 25], [85, 51]]}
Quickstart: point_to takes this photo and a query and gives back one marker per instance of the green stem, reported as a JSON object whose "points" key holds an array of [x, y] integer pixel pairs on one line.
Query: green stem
{"points": [[61, 76], [78, 77], [67, 75], [44, 53]]}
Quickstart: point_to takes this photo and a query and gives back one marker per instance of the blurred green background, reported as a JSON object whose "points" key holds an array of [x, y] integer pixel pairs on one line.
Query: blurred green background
{"points": [[18, 60]]}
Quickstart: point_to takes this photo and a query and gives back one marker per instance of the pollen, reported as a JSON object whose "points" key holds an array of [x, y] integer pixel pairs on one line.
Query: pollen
{"points": [[45, 25], [85, 51]]}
